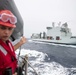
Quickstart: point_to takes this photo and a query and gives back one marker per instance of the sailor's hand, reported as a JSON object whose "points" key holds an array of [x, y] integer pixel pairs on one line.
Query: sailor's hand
{"points": [[15, 73], [22, 40], [20, 43]]}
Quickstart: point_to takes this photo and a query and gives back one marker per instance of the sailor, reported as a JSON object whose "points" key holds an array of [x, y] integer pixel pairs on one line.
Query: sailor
{"points": [[7, 50]]}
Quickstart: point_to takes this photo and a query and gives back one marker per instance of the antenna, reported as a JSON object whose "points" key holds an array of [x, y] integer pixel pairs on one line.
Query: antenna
{"points": [[59, 24], [53, 24]]}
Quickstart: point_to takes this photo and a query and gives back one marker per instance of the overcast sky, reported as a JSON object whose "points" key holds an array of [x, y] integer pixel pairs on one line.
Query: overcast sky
{"points": [[38, 14]]}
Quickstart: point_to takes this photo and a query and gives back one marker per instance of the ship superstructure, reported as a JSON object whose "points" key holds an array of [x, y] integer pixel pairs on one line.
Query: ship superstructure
{"points": [[59, 34]]}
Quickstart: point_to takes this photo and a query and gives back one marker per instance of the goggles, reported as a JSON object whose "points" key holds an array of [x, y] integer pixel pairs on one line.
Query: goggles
{"points": [[6, 17]]}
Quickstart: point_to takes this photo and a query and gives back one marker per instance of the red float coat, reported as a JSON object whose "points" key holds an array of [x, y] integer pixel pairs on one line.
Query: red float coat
{"points": [[7, 57]]}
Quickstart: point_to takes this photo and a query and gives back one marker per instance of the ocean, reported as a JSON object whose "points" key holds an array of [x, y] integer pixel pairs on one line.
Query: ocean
{"points": [[49, 58]]}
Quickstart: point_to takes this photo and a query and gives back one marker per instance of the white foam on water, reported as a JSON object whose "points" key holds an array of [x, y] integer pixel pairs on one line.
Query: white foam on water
{"points": [[42, 67]]}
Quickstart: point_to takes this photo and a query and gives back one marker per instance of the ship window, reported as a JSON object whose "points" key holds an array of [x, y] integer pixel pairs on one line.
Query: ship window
{"points": [[50, 37], [57, 38]]}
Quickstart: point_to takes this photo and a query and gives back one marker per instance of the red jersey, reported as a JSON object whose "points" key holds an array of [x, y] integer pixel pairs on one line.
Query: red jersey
{"points": [[7, 57]]}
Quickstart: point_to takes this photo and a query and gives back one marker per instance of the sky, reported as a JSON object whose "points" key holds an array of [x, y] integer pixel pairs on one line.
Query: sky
{"points": [[38, 14]]}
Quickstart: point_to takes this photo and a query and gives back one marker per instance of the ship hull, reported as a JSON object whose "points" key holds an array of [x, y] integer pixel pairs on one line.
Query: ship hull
{"points": [[64, 41]]}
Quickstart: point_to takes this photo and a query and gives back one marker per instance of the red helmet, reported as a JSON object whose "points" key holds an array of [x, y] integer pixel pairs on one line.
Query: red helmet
{"points": [[7, 18]]}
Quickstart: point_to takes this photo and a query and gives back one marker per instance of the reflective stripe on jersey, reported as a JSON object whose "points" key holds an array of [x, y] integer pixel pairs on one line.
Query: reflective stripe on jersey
{"points": [[10, 46], [3, 50]]}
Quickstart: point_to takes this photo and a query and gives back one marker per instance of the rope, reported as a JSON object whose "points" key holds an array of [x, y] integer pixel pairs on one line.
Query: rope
{"points": [[29, 65]]}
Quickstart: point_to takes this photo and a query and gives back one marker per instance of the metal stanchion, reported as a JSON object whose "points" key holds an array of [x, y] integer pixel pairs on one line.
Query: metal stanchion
{"points": [[26, 64]]}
